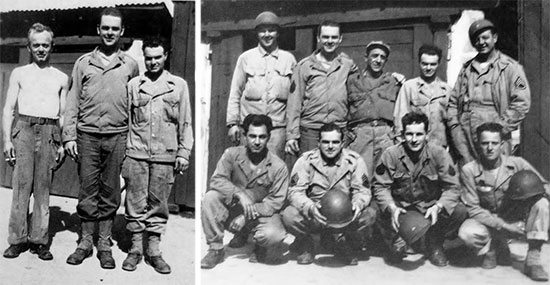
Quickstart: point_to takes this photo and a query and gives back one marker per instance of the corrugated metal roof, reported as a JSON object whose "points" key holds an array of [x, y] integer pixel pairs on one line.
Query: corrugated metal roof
{"points": [[42, 5]]}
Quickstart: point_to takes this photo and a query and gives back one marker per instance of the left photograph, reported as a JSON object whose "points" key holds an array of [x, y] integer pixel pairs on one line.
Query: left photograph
{"points": [[97, 135]]}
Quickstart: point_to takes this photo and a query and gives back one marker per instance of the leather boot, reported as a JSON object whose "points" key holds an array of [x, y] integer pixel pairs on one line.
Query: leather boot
{"points": [[306, 255], [104, 253], [212, 258], [435, 251], [154, 257], [135, 253], [85, 247]]}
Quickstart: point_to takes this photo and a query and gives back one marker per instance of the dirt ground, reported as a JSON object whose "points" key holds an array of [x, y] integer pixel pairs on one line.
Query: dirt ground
{"points": [[177, 247], [415, 269]]}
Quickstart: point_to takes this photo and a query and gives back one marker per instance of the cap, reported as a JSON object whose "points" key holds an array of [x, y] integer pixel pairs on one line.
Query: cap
{"points": [[478, 27], [378, 44], [266, 18]]}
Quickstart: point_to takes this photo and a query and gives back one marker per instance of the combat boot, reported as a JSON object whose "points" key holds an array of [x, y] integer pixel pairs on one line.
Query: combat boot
{"points": [[85, 247], [104, 253], [135, 253], [533, 267], [306, 255], [154, 257], [489, 260], [239, 239], [504, 256], [212, 258], [344, 251], [258, 255], [15, 250], [435, 251]]}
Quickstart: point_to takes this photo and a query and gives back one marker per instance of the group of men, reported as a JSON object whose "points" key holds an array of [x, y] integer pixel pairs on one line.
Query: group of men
{"points": [[385, 143], [111, 121]]}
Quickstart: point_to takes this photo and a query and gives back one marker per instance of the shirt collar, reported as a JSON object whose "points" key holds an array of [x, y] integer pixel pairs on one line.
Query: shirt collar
{"points": [[264, 53]]}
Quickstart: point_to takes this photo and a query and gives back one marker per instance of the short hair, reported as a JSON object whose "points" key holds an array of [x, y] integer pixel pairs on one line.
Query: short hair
{"points": [[111, 11], [415, 118], [430, 50], [152, 42], [329, 23], [38, 28], [329, 127], [257, 120], [491, 127]]}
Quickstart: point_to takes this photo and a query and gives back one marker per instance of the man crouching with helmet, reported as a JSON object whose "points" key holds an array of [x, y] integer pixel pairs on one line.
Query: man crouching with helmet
{"points": [[506, 197], [416, 186], [329, 193]]}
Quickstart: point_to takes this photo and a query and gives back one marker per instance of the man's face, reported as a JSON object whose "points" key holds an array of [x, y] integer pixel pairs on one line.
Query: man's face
{"points": [[267, 36], [490, 144], [485, 42], [329, 38], [376, 59], [40, 46], [155, 57], [331, 144], [256, 138], [415, 137], [428, 65], [110, 30]]}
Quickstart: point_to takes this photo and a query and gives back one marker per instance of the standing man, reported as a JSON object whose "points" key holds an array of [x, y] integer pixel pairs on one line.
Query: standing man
{"points": [[372, 96], [318, 92], [247, 190], [417, 189], [427, 94], [94, 134], [261, 84], [491, 87], [159, 144], [493, 201], [34, 145], [327, 168]]}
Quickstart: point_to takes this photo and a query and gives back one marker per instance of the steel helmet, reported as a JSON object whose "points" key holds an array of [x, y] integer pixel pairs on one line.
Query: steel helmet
{"points": [[524, 184], [337, 208], [413, 226]]}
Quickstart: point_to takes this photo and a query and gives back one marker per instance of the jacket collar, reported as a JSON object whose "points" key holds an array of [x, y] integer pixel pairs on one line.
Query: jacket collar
{"points": [[118, 59], [164, 84], [264, 53], [244, 163]]}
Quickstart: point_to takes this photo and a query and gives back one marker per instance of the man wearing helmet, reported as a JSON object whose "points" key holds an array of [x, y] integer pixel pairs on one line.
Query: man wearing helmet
{"points": [[491, 87], [417, 188], [323, 170], [261, 84], [499, 210]]}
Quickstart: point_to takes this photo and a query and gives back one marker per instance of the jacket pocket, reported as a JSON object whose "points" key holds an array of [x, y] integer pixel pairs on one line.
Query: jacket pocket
{"points": [[139, 109], [255, 80], [171, 107]]}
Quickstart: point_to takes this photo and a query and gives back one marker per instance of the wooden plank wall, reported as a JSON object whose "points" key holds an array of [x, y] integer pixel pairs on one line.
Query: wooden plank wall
{"points": [[534, 43]]}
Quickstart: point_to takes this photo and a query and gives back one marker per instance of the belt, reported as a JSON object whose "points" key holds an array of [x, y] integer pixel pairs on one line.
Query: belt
{"points": [[371, 123], [37, 120]]}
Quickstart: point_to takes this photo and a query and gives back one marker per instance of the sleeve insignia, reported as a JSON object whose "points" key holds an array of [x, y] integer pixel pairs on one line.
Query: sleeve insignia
{"points": [[365, 179], [292, 86], [520, 84], [294, 180], [380, 169], [452, 170]]}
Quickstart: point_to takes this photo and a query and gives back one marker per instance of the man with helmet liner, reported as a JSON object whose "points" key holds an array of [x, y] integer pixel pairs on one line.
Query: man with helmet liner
{"points": [[316, 174], [504, 201]]}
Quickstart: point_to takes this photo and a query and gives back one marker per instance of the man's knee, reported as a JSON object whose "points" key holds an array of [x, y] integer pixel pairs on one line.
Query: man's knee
{"points": [[541, 207], [270, 233], [474, 234], [291, 216]]}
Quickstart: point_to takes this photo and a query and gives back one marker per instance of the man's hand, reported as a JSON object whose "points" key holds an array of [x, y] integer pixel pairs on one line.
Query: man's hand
{"points": [[316, 215], [249, 208], [237, 224], [399, 77], [234, 134], [9, 153], [292, 147], [513, 228], [356, 211], [60, 155], [395, 212], [181, 164], [432, 213], [71, 149]]}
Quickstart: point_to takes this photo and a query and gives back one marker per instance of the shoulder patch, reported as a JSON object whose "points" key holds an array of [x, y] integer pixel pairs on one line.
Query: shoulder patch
{"points": [[365, 179], [294, 180], [452, 170], [520, 83], [380, 169]]}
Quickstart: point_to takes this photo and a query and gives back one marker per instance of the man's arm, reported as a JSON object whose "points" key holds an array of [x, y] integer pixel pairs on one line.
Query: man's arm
{"points": [[520, 99], [221, 179], [8, 115], [360, 188], [185, 131], [294, 104], [383, 180], [471, 199], [402, 107], [450, 183], [453, 123], [70, 114], [273, 202], [299, 183]]}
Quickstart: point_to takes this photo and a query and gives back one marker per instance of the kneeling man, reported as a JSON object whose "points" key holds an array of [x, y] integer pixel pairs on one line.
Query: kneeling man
{"points": [[328, 168], [417, 188], [247, 190], [501, 207]]}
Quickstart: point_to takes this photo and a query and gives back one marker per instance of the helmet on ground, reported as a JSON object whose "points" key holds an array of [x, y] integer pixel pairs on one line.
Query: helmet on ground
{"points": [[337, 208], [524, 184]]}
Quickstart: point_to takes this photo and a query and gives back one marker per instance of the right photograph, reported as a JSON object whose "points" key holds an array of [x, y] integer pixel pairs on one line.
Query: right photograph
{"points": [[391, 141]]}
